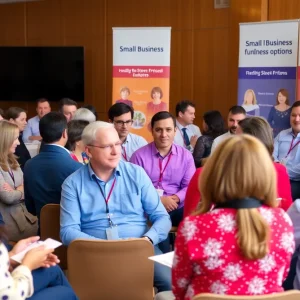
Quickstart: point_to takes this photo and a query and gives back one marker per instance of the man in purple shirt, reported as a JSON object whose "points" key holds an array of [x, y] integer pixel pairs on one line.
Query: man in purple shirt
{"points": [[169, 166]]}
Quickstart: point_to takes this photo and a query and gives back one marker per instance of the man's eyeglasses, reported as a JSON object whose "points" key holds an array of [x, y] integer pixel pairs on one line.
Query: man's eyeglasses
{"points": [[106, 147], [122, 123]]}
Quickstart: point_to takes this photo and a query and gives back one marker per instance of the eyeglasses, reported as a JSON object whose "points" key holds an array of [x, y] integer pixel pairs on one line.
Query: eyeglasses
{"points": [[122, 123], [106, 147]]}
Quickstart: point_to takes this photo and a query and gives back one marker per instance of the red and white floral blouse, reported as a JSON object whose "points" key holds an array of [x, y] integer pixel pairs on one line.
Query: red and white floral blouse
{"points": [[207, 258]]}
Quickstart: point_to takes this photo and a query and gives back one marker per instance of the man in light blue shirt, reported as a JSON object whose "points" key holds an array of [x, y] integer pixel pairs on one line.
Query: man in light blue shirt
{"points": [[121, 115], [111, 199], [287, 150], [32, 132], [187, 133]]}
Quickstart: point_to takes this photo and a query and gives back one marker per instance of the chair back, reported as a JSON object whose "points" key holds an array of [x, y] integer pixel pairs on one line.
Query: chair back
{"points": [[112, 270], [289, 295], [50, 227]]}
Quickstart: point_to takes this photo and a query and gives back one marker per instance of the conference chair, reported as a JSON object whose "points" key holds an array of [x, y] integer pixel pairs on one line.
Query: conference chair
{"points": [[50, 227], [113, 270], [289, 295]]}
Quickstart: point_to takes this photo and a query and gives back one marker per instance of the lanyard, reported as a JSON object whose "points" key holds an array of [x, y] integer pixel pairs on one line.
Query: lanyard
{"points": [[292, 146], [107, 199], [124, 153], [163, 170], [11, 174]]}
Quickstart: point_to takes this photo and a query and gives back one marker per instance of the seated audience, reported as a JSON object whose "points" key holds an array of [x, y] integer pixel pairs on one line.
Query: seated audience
{"points": [[45, 173], [84, 114], [294, 213], [110, 199], [1, 114], [36, 278], [74, 143], [187, 133], [287, 150], [68, 107], [260, 128], [121, 115], [92, 109], [18, 116], [236, 114], [19, 222], [238, 242], [32, 131], [213, 126]]}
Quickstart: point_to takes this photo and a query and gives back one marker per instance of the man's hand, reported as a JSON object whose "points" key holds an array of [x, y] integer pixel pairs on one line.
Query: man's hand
{"points": [[193, 140], [169, 203], [175, 198]]}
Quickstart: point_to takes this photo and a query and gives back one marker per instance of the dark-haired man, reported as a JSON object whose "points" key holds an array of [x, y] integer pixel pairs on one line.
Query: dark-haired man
{"points": [[68, 107], [121, 115], [236, 114], [187, 133], [45, 173], [169, 166], [31, 132]]}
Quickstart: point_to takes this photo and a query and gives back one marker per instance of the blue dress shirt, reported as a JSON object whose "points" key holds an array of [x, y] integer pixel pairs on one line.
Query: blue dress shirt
{"points": [[133, 200], [132, 143], [31, 129], [282, 144]]}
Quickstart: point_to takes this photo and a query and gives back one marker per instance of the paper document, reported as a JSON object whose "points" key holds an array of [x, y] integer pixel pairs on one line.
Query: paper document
{"points": [[49, 243], [164, 259]]}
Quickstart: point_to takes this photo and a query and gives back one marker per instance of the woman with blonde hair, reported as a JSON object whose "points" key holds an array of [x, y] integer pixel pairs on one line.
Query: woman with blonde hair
{"points": [[19, 222], [238, 242], [250, 103]]}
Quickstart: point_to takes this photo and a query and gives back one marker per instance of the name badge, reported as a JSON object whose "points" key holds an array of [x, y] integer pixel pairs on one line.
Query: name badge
{"points": [[112, 233]]}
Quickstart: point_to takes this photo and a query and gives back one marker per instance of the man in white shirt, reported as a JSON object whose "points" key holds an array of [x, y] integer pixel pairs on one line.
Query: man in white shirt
{"points": [[187, 133], [236, 114], [121, 115], [31, 132]]}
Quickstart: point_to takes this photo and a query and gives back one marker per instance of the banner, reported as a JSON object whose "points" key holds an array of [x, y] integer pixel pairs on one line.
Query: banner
{"points": [[267, 68], [141, 72]]}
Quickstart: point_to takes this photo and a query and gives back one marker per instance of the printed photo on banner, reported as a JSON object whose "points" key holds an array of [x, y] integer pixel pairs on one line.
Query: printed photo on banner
{"points": [[141, 73], [267, 70]]}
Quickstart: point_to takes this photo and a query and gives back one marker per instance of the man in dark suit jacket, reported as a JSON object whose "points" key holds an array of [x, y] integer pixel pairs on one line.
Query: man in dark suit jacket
{"points": [[45, 173]]}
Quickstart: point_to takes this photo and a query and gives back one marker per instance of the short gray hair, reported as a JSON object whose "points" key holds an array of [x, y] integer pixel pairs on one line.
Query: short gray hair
{"points": [[84, 114], [89, 133]]}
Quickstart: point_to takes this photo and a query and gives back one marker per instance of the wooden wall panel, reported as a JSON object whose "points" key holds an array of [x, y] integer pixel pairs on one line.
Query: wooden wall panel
{"points": [[206, 16], [284, 9], [204, 50], [12, 25]]}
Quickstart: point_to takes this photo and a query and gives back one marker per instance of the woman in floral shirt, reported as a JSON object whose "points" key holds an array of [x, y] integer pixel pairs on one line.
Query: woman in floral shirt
{"points": [[244, 245]]}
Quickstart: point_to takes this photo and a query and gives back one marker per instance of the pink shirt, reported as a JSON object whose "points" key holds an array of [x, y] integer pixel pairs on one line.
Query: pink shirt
{"points": [[177, 174]]}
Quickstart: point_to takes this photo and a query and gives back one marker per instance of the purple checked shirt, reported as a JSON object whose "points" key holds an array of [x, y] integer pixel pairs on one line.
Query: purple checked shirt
{"points": [[176, 176]]}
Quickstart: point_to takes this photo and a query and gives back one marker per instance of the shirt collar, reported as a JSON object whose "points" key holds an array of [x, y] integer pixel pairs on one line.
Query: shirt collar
{"points": [[59, 146], [155, 152], [180, 126], [93, 175], [290, 131], [128, 138]]}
